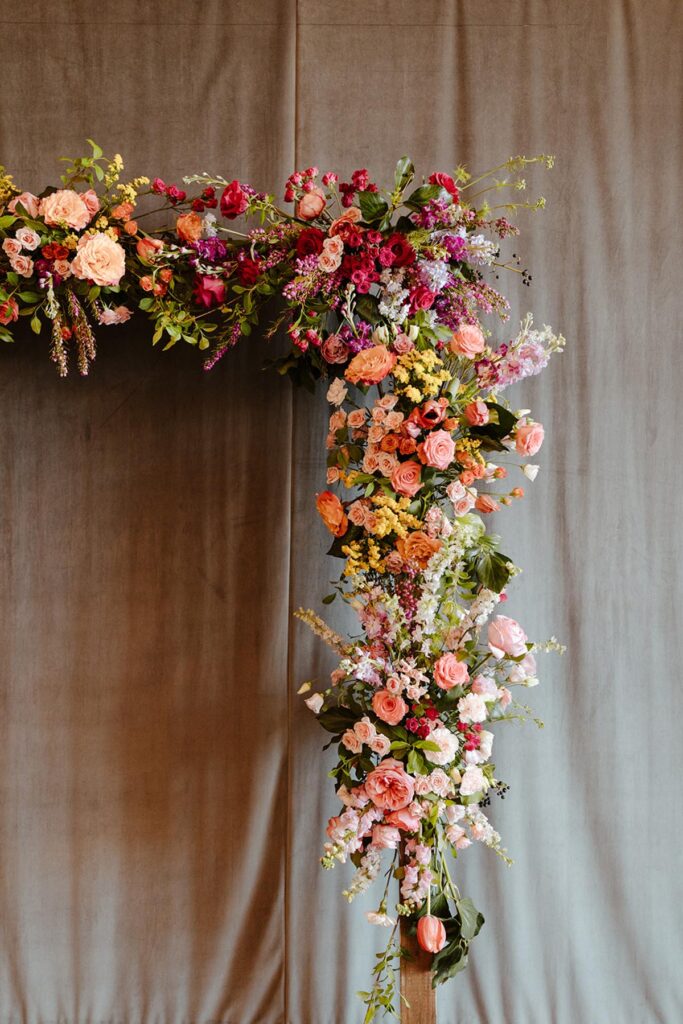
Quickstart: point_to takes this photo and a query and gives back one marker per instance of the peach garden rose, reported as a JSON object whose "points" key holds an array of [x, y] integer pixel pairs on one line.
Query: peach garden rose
{"points": [[99, 259]]}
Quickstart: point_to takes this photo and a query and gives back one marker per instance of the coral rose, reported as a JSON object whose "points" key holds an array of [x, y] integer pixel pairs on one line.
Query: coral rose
{"points": [[476, 413], [417, 547], [529, 438], [403, 819], [406, 478], [449, 672], [437, 450], [389, 707], [370, 365], [431, 934], [468, 341], [334, 349], [65, 207], [311, 204], [332, 513], [389, 786], [9, 311], [505, 636], [189, 227]]}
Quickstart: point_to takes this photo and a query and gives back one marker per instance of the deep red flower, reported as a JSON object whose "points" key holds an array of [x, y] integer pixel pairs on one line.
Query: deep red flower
{"points": [[402, 250], [446, 182], [234, 200], [310, 241], [248, 271], [208, 291]]}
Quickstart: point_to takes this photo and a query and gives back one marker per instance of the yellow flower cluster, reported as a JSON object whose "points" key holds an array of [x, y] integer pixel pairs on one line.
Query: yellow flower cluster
{"points": [[362, 555], [391, 516], [71, 241], [128, 193], [420, 375], [7, 189]]}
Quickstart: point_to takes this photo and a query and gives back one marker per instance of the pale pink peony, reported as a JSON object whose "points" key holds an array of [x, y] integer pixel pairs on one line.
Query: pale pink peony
{"points": [[65, 207], [472, 708], [438, 449], [385, 837], [389, 786], [485, 687], [505, 636], [99, 259], [449, 672]]}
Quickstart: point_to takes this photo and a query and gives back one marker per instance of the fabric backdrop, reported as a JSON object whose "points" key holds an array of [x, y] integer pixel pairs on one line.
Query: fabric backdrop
{"points": [[162, 791]]}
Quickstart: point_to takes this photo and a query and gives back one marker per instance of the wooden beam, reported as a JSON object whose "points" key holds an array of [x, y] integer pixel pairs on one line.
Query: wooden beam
{"points": [[416, 982]]}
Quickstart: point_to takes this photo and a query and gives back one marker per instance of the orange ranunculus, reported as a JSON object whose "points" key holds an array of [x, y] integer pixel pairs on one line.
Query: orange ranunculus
{"points": [[417, 547], [332, 513], [189, 227], [370, 365]]}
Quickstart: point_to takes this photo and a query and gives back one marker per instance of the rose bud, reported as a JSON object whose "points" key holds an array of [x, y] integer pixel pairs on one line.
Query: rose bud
{"points": [[431, 934]]}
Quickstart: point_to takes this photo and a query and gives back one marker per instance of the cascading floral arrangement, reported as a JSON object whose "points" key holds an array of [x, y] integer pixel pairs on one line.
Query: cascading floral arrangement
{"points": [[382, 294]]}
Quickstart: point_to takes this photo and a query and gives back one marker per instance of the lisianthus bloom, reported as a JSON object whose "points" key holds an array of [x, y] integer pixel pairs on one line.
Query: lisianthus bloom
{"points": [[234, 200], [389, 786], [468, 341], [99, 259], [505, 636], [370, 365], [208, 290], [332, 513]]}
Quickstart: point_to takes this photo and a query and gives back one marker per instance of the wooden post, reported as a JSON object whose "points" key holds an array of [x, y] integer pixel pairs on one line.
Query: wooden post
{"points": [[416, 982]]}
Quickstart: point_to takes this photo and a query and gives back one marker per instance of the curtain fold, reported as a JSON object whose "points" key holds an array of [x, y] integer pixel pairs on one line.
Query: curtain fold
{"points": [[162, 790]]}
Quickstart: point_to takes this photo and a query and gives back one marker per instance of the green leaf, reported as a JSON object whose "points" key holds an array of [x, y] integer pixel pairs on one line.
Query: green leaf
{"points": [[422, 195], [96, 150], [337, 720], [404, 173], [372, 206], [7, 221], [450, 961], [471, 919], [329, 598], [427, 745], [491, 569], [30, 296], [36, 325], [367, 307]]}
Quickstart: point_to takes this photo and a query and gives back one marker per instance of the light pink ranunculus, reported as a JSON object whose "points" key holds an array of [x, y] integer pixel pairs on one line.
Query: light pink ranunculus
{"points": [[28, 238], [30, 203], [311, 204], [385, 837], [477, 413], [65, 207], [21, 264], [406, 478], [403, 819], [449, 672], [389, 786], [437, 450], [468, 341], [505, 636], [529, 438], [389, 707], [99, 259]]}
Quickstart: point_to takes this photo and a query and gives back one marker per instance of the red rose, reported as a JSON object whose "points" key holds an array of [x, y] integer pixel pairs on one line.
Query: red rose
{"points": [[421, 298], [402, 250], [310, 242], [234, 200], [208, 291], [248, 271], [446, 182]]}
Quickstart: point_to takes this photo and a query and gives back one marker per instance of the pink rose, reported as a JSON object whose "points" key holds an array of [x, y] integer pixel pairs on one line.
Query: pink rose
{"points": [[9, 311], [389, 707], [234, 200], [365, 730], [99, 259], [11, 246], [403, 819], [208, 291], [65, 207], [389, 786], [386, 463], [380, 745], [21, 264], [468, 341], [403, 344], [485, 687], [351, 742], [328, 261], [406, 478], [92, 203], [311, 204], [356, 418], [370, 365], [385, 837], [30, 203], [449, 672], [505, 636], [334, 349], [438, 450], [529, 438], [28, 238], [477, 413]]}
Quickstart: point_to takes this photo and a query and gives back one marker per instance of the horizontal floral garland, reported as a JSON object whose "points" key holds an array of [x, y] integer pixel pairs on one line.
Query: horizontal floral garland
{"points": [[382, 294]]}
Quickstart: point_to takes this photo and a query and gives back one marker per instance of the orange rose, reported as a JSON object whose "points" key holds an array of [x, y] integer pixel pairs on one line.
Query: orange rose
{"points": [[406, 478], [189, 227], [417, 547], [370, 365], [468, 341], [389, 707], [332, 513], [350, 216]]}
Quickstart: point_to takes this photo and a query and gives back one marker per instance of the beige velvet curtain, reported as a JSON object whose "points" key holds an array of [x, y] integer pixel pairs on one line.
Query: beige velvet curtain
{"points": [[162, 791]]}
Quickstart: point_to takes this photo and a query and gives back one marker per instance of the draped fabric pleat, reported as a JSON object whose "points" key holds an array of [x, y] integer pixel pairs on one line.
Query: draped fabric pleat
{"points": [[162, 790]]}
